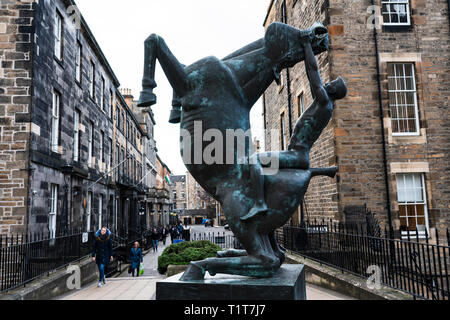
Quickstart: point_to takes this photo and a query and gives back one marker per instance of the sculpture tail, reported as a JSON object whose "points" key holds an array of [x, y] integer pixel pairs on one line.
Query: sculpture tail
{"points": [[329, 172]]}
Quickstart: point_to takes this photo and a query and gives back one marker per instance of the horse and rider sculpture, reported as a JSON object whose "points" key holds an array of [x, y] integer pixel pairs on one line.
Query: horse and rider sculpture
{"points": [[219, 95]]}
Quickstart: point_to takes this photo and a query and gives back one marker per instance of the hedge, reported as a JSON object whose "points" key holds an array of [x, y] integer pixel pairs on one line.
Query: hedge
{"points": [[184, 252]]}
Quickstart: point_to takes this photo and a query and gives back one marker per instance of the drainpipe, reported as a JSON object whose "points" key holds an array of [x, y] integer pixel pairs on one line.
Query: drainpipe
{"points": [[448, 2], [380, 105]]}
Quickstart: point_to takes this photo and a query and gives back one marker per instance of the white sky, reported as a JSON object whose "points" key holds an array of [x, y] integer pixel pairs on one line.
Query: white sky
{"points": [[193, 29]]}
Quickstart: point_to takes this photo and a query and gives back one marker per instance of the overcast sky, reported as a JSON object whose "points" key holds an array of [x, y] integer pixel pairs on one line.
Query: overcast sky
{"points": [[193, 29]]}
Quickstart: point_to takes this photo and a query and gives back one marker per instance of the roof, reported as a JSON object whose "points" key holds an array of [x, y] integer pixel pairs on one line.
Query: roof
{"points": [[95, 45]]}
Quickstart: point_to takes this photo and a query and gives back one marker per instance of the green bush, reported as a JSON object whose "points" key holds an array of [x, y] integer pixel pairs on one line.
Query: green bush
{"points": [[185, 252]]}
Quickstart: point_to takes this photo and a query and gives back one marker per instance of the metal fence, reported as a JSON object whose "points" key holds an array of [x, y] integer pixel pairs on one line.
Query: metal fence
{"points": [[412, 265], [24, 258], [222, 239]]}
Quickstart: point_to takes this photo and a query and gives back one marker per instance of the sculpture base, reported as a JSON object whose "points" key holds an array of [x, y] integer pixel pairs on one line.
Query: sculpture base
{"points": [[287, 284]]}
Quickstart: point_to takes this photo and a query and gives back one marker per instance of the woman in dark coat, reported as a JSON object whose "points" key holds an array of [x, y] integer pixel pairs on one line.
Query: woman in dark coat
{"points": [[102, 253], [135, 258]]}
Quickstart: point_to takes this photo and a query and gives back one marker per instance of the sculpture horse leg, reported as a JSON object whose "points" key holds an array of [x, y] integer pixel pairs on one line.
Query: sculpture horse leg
{"points": [[156, 48]]}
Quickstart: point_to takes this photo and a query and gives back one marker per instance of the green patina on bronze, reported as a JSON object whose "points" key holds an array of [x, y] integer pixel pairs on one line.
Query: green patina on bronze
{"points": [[220, 94]]}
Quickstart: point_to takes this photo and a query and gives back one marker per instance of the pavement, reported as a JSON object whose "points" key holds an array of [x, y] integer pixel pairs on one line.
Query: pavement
{"points": [[125, 287]]}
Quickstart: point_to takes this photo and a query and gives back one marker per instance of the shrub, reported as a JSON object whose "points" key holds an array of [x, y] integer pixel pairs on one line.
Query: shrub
{"points": [[185, 252]]}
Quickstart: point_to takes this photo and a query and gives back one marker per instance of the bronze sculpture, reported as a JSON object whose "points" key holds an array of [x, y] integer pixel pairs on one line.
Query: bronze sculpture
{"points": [[219, 94]]}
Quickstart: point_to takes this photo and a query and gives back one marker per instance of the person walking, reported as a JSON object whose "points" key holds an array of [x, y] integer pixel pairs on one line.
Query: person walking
{"points": [[180, 229], [173, 233], [102, 252], [135, 258], [155, 238], [164, 233]]}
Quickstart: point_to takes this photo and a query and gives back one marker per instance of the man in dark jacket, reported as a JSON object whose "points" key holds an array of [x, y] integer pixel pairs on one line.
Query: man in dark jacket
{"points": [[155, 238], [102, 253]]}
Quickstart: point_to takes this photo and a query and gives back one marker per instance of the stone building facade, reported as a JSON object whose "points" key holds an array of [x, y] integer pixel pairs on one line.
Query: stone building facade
{"points": [[179, 193], [390, 135], [16, 37], [199, 203], [73, 154], [164, 200]]}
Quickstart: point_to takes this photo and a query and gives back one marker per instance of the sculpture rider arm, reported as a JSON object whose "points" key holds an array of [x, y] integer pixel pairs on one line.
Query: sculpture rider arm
{"points": [[312, 69]]}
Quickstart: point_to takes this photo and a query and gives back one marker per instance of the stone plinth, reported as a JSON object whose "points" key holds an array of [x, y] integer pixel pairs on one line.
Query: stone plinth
{"points": [[287, 284]]}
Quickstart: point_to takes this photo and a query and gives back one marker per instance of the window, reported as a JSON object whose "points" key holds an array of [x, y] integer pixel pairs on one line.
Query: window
{"points": [[55, 121], [78, 63], [412, 204], [403, 99], [395, 12], [111, 104], [91, 144], [110, 154], [53, 211], [182, 195], [122, 157], [102, 150], [117, 117], [282, 132], [76, 135], [300, 104], [102, 95], [100, 211], [58, 36], [117, 160], [92, 86], [88, 211]]}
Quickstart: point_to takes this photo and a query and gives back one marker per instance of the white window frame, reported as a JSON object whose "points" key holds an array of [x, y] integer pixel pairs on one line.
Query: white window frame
{"points": [[102, 94], [396, 91], [58, 30], [88, 211], [56, 103], [76, 135], [92, 86], [100, 210], [78, 62], [101, 155], [53, 211], [110, 156], [283, 133], [91, 144], [301, 103], [412, 234], [396, 2]]}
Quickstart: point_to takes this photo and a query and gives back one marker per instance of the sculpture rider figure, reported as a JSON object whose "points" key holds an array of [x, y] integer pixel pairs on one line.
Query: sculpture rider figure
{"points": [[307, 130]]}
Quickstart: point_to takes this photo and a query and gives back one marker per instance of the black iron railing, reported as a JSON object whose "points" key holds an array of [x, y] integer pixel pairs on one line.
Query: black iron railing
{"points": [[413, 265], [24, 258], [222, 239]]}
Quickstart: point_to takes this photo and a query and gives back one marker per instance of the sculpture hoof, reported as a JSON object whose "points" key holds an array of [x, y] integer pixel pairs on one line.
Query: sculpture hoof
{"points": [[193, 272], [146, 99]]}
